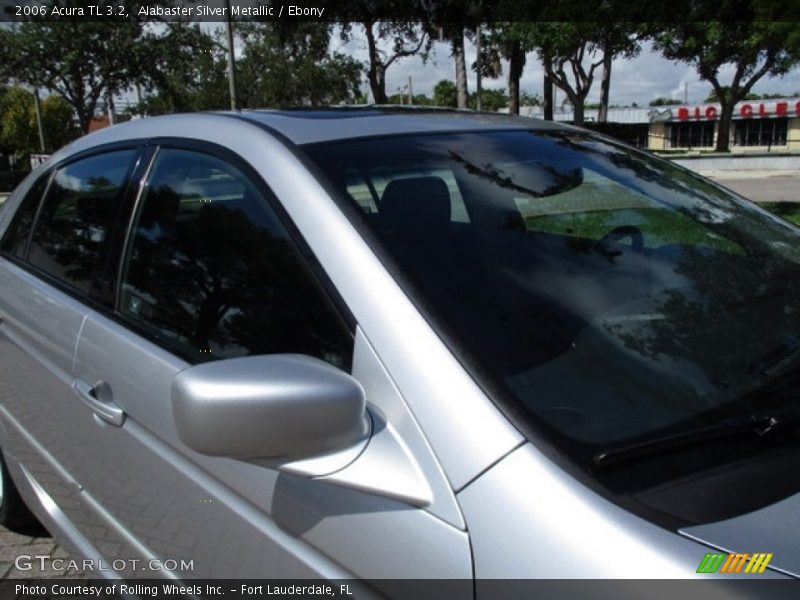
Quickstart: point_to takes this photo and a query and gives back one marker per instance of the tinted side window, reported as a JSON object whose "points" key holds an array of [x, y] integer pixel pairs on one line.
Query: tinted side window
{"points": [[15, 240], [212, 271], [76, 215]]}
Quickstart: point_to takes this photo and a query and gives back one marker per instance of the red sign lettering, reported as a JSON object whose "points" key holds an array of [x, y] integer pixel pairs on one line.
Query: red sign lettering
{"points": [[711, 112], [781, 108], [683, 112], [746, 110]]}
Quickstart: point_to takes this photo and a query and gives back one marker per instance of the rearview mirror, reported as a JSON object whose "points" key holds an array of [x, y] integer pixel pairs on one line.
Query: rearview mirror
{"points": [[285, 406]]}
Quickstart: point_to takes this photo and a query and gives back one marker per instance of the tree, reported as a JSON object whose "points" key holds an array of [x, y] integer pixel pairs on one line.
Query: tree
{"points": [[452, 21], [292, 66], [491, 100], [404, 36], [528, 99], [444, 94], [511, 41], [712, 95], [567, 53], [753, 48], [19, 131], [78, 60], [188, 71], [614, 39], [459, 57], [664, 102], [405, 39]]}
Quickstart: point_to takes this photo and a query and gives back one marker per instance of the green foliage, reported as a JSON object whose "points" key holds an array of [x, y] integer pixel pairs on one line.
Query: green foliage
{"points": [[19, 133], [528, 99], [293, 67], [663, 101], [79, 60], [512, 42], [491, 100], [711, 40], [388, 39], [188, 72], [712, 96], [444, 94]]}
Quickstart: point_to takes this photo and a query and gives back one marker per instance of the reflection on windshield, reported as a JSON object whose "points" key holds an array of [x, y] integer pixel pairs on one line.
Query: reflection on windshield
{"points": [[613, 296]]}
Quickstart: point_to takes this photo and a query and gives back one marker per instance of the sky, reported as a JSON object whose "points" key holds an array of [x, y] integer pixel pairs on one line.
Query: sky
{"points": [[638, 80]]}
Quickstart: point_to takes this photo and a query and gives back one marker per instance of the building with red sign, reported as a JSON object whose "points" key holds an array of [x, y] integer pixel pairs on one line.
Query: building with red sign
{"points": [[760, 125]]}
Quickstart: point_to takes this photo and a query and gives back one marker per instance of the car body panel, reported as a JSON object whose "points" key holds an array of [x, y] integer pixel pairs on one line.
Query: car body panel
{"points": [[770, 529], [39, 328], [451, 489], [386, 315], [181, 504], [552, 527]]}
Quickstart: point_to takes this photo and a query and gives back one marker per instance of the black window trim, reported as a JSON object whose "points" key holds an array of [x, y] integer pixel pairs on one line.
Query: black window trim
{"points": [[305, 255], [121, 229], [90, 299], [14, 222]]}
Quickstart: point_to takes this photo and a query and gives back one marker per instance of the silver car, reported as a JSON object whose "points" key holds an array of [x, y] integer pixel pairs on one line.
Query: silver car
{"points": [[383, 344]]}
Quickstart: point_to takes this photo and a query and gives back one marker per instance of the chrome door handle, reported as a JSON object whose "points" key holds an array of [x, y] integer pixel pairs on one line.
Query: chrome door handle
{"points": [[106, 410]]}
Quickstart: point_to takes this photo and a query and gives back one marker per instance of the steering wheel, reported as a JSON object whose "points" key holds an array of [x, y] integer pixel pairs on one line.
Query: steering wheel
{"points": [[609, 245]]}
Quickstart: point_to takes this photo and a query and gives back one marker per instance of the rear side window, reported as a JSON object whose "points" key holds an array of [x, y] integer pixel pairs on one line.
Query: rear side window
{"points": [[15, 241], [76, 215], [212, 272]]}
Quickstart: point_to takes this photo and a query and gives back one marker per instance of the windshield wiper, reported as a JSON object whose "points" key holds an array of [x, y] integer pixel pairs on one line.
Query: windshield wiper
{"points": [[758, 424]]}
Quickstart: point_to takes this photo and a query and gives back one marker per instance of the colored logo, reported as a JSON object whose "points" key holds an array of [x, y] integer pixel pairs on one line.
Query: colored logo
{"points": [[734, 563]]}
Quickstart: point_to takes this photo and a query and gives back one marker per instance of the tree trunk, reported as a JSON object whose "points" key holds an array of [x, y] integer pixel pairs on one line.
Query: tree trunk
{"points": [[605, 85], [577, 116], [578, 100], [375, 71], [462, 92], [724, 126], [112, 114], [547, 95], [516, 62], [84, 119]]}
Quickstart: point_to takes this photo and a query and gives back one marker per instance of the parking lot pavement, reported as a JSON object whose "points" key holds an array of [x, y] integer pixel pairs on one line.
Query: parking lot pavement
{"points": [[30, 542], [782, 188]]}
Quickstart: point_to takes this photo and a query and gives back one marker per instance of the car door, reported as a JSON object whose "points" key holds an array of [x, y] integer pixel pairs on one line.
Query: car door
{"points": [[51, 253], [213, 270]]}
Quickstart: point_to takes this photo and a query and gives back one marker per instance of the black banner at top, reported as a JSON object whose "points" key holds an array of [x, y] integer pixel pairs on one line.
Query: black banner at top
{"points": [[441, 11]]}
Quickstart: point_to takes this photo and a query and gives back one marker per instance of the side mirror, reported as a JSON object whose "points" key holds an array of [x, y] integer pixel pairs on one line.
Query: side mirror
{"points": [[283, 406]]}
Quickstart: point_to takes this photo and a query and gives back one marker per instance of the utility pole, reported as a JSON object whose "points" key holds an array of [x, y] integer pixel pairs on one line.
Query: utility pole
{"points": [[686, 92], [231, 59], [478, 67], [410, 92], [37, 107]]}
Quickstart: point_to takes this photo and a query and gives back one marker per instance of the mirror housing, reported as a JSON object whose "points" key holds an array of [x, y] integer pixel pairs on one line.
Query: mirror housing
{"points": [[281, 406]]}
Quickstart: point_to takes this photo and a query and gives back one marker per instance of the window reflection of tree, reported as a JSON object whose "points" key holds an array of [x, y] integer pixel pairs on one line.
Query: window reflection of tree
{"points": [[75, 218], [225, 285]]}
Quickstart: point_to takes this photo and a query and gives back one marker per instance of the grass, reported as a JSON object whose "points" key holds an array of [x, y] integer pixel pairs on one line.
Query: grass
{"points": [[658, 227], [786, 210]]}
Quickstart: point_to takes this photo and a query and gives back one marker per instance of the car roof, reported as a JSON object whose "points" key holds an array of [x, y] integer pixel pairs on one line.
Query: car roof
{"points": [[309, 126], [340, 123]]}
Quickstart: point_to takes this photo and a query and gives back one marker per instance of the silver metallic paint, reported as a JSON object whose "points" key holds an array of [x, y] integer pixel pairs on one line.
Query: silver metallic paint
{"points": [[528, 518], [399, 334], [773, 529], [276, 406]]}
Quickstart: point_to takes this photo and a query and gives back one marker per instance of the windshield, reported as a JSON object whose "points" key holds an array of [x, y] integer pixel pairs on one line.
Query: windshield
{"points": [[610, 295]]}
